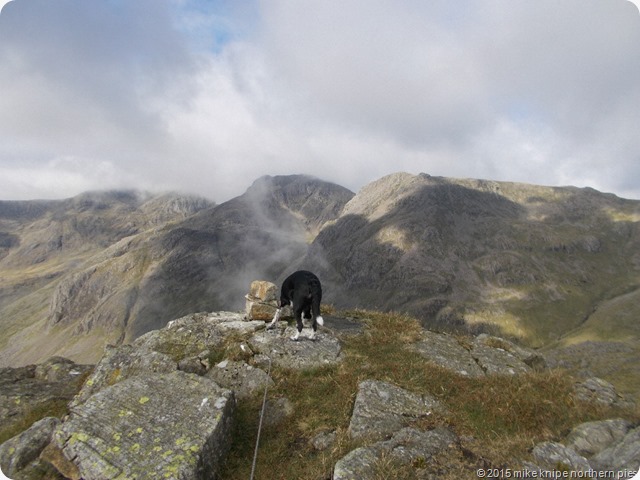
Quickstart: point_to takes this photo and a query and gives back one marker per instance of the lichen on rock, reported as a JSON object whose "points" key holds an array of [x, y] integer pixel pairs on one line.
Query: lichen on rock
{"points": [[174, 425]]}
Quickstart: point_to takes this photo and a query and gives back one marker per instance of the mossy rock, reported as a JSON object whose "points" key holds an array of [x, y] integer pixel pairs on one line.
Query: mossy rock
{"points": [[174, 425]]}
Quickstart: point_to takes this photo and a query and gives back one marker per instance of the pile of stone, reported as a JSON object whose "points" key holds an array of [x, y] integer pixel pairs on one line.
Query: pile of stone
{"points": [[262, 300]]}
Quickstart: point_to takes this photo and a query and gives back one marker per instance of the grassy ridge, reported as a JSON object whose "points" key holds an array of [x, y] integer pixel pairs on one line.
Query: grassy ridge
{"points": [[606, 343], [505, 416]]}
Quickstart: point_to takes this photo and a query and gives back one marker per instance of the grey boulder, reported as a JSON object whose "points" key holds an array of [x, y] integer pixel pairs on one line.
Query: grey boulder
{"points": [[381, 409], [174, 425]]}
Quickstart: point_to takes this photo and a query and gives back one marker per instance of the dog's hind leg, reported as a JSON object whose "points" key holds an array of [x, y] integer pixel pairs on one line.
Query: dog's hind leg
{"points": [[297, 335], [317, 319], [297, 311]]}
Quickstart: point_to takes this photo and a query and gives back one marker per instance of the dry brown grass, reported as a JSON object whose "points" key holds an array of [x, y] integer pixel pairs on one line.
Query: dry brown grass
{"points": [[54, 408], [499, 418]]}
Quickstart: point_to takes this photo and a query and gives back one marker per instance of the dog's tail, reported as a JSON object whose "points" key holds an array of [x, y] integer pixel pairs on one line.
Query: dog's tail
{"points": [[315, 307]]}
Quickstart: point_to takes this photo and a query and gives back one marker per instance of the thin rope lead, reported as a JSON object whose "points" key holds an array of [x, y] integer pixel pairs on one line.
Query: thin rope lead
{"points": [[264, 403]]}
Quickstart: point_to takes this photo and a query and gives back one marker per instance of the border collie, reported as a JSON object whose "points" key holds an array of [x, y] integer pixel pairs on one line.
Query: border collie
{"points": [[301, 290]]}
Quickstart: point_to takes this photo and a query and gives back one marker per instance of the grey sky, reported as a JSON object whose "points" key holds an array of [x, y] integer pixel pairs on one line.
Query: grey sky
{"points": [[206, 96]]}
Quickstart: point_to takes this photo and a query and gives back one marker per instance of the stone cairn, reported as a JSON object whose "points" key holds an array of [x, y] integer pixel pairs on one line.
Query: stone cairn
{"points": [[262, 301]]}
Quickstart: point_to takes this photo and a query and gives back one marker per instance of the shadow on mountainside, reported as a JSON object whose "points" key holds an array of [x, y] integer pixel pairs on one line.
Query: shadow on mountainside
{"points": [[460, 258]]}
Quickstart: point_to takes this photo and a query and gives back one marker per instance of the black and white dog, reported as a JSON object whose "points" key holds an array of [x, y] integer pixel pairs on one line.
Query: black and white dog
{"points": [[301, 290]]}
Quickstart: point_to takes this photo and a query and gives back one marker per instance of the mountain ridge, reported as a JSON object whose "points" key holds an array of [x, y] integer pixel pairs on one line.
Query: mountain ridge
{"points": [[527, 262], [491, 234]]}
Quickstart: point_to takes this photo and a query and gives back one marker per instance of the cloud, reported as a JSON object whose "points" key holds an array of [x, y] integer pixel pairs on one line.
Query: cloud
{"points": [[207, 96], [44, 180], [83, 80], [465, 87], [395, 72]]}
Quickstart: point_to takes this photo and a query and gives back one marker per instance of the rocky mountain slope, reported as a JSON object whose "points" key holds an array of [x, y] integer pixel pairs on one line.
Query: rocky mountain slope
{"points": [[557, 268], [107, 267], [46, 244], [387, 398], [553, 267], [535, 262]]}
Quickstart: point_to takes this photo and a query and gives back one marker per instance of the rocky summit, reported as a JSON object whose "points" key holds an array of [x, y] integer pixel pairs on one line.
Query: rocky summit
{"points": [[172, 404]]}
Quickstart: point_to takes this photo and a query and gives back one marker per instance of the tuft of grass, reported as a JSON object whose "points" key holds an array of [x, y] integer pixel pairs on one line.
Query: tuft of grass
{"points": [[500, 418], [327, 309], [55, 408], [385, 467], [322, 400]]}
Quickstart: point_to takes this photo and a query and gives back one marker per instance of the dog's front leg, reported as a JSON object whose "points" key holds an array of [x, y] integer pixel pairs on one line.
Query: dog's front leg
{"points": [[274, 322]]}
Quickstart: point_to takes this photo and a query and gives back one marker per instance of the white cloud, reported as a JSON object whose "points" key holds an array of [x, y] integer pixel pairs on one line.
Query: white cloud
{"points": [[54, 178], [514, 90], [206, 97]]}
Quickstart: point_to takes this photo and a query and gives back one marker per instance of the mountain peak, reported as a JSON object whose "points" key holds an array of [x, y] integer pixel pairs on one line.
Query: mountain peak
{"points": [[310, 199], [532, 263]]}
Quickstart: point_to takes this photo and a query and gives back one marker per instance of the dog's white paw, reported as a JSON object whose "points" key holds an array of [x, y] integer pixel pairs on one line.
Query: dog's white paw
{"points": [[295, 337], [312, 335], [320, 320]]}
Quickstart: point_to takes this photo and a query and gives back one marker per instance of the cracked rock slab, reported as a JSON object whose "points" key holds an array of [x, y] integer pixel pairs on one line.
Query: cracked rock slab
{"points": [[553, 455], [17, 452], [405, 447], [622, 456], [190, 335], [381, 409], [175, 425], [591, 438], [445, 351], [120, 363], [240, 377], [23, 389], [324, 349], [597, 390], [497, 361], [485, 356], [531, 358]]}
